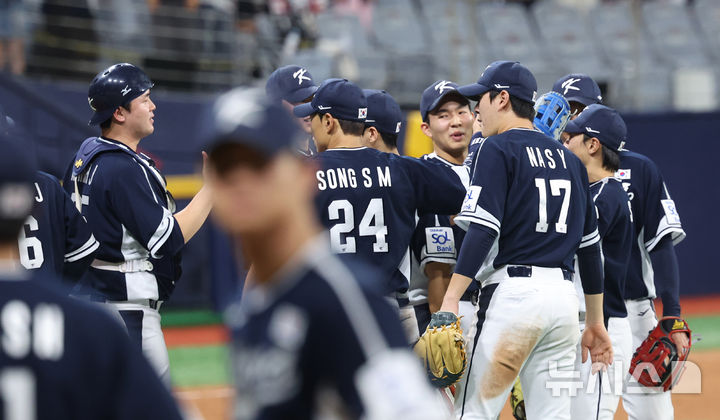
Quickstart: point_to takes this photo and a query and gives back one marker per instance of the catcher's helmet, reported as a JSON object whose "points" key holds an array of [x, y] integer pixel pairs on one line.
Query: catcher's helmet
{"points": [[115, 86], [552, 113]]}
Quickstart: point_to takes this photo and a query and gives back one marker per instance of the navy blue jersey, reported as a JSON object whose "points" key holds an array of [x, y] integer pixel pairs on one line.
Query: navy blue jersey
{"points": [[63, 359], [534, 193], [126, 204], [435, 239], [368, 200], [475, 142], [655, 216], [55, 235], [616, 235], [319, 333]]}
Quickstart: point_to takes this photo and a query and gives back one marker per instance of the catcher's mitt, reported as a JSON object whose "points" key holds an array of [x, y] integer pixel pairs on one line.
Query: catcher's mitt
{"points": [[657, 362], [442, 349], [517, 401]]}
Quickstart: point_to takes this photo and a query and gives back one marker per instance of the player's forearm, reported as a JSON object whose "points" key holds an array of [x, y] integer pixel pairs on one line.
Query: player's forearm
{"points": [[192, 217], [438, 275], [667, 275], [594, 309], [591, 269], [458, 285]]}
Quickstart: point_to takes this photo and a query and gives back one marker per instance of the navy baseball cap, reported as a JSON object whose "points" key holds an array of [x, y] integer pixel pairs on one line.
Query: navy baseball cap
{"points": [[338, 97], [17, 174], [383, 111], [434, 94], [579, 88], [511, 76], [292, 83], [602, 122], [247, 117]]}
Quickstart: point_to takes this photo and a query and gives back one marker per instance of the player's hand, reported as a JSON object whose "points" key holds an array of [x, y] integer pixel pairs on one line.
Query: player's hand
{"points": [[596, 341], [681, 341]]}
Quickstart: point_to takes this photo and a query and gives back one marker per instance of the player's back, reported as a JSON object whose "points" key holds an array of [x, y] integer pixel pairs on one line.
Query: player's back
{"points": [[55, 232], [368, 200], [537, 190], [616, 231], [63, 359], [654, 216]]}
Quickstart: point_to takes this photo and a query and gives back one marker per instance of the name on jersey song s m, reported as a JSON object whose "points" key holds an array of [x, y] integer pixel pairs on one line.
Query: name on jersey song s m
{"points": [[334, 178]]}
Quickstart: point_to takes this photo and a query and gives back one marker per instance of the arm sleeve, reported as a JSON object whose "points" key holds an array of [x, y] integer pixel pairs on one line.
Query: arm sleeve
{"points": [[438, 189], [661, 215], [485, 200], [591, 269], [142, 211], [476, 245], [80, 244], [667, 275]]}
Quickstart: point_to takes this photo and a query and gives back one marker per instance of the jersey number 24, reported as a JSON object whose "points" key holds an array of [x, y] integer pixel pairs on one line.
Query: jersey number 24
{"points": [[371, 224]]}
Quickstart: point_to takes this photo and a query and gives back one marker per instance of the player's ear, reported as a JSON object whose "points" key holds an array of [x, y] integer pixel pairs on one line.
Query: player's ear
{"points": [[594, 145], [120, 114], [328, 122], [425, 127], [503, 99]]}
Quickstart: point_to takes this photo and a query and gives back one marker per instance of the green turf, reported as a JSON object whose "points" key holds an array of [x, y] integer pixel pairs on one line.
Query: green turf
{"points": [[708, 328], [179, 318], [202, 365]]}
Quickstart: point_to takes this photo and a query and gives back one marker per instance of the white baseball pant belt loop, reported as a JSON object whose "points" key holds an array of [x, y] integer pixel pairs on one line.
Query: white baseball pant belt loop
{"points": [[131, 266]]}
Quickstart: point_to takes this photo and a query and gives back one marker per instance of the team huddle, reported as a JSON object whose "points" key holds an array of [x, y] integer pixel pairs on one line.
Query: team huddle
{"points": [[524, 250]]}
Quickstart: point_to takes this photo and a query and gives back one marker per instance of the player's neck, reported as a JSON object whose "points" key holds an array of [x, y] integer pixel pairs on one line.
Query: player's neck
{"points": [[342, 141], [457, 158], [514, 121], [596, 172], [270, 250], [123, 138]]}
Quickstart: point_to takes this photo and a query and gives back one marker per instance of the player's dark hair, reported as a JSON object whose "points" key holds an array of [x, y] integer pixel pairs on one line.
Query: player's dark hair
{"points": [[390, 139], [106, 124], [351, 128], [522, 109], [610, 158], [10, 229]]}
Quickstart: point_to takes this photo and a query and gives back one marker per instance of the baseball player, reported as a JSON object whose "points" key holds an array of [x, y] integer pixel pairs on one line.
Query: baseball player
{"points": [[368, 199], [60, 358], [447, 120], [528, 211], [595, 136], [293, 85], [383, 122], [314, 337], [125, 200], [653, 267], [55, 238]]}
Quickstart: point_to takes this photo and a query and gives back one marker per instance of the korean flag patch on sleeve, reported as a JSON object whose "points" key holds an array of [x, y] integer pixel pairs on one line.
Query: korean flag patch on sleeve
{"points": [[439, 240]]}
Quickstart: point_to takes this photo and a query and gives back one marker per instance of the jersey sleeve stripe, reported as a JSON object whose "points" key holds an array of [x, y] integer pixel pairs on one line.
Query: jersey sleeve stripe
{"points": [[590, 239], [352, 299], [162, 233], [678, 234], [478, 220], [86, 249]]}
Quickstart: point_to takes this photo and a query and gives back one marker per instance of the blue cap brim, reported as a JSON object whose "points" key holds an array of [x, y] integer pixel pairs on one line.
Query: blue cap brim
{"points": [[582, 99], [440, 99], [301, 94], [473, 91], [303, 110]]}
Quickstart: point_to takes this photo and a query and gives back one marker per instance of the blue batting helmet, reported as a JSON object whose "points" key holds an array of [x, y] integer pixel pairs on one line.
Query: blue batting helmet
{"points": [[115, 86], [552, 113]]}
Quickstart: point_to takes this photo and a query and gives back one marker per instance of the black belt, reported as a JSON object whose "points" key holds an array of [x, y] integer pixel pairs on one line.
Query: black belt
{"points": [[526, 271], [470, 296]]}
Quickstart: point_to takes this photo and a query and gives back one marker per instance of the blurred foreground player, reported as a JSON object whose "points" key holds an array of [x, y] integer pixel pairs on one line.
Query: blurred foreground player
{"points": [[125, 200], [313, 334], [55, 238], [60, 358]]}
